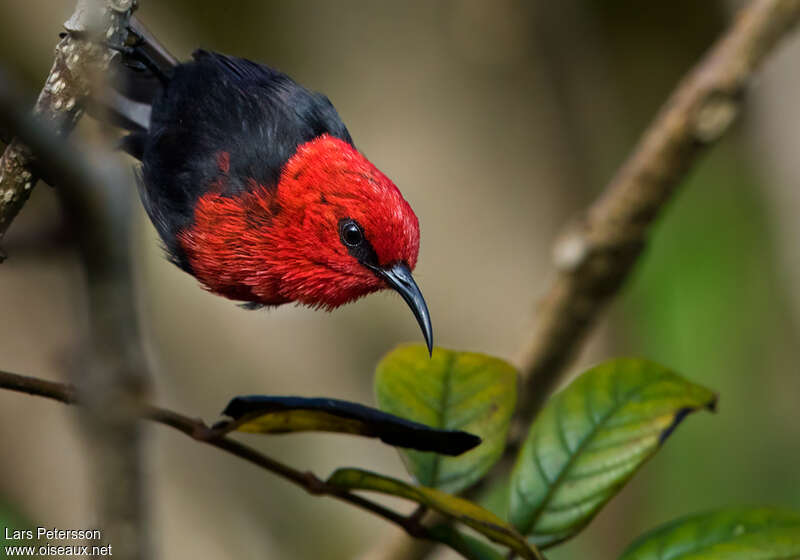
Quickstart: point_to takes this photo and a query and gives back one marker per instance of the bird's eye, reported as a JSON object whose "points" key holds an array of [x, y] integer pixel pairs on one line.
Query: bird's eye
{"points": [[351, 234]]}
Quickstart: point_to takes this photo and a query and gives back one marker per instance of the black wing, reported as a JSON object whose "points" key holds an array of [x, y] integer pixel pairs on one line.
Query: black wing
{"points": [[218, 103]]}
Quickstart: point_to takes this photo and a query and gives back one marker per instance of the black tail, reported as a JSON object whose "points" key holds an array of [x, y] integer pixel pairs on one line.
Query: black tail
{"points": [[143, 70]]}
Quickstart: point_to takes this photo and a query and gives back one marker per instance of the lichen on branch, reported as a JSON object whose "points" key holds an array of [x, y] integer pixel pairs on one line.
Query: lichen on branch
{"points": [[82, 56]]}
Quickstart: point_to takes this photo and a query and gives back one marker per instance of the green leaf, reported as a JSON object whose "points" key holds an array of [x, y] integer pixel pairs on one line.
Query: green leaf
{"points": [[451, 391], [459, 509], [469, 547], [732, 533], [590, 439], [277, 415]]}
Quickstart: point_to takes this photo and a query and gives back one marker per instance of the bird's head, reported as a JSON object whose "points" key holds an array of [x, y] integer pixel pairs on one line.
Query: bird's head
{"points": [[341, 230]]}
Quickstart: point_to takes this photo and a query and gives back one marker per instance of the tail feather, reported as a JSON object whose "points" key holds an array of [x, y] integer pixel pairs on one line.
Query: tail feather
{"points": [[149, 65], [143, 71], [121, 111]]}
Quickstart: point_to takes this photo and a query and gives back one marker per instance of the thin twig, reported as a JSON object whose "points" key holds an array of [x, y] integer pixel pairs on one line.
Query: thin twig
{"points": [[199, 431], [112, 380]]}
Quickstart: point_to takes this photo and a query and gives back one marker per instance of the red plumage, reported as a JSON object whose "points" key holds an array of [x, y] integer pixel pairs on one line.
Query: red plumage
{"points": [[282, 245], [256, 188]]}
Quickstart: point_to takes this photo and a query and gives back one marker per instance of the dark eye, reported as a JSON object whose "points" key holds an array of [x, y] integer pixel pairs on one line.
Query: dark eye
{"points": [[351, 234]]}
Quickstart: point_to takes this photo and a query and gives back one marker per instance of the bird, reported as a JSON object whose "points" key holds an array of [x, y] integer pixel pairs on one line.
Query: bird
{"points": [[255, 185]]}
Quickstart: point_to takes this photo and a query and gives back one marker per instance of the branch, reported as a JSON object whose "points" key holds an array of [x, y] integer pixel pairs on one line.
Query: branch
{"points": [[95, 197], [199, 431], [79, 60], [110, 389], [594, 256]]}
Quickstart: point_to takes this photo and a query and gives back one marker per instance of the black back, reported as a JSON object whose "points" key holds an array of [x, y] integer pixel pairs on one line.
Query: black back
{"points": [[219, 103]]}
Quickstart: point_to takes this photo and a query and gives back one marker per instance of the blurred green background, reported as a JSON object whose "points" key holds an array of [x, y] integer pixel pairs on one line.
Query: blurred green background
{"points": [[499, 120]]}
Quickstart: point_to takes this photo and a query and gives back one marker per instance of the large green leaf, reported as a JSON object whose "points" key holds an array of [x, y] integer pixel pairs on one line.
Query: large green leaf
{"points": [[728, 534], [278, 415], [459, 509], [450, 391], [590, 439]]}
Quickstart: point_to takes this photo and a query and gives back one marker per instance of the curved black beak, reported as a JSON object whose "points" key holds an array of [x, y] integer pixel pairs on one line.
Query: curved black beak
{"points": [[398, 276]]}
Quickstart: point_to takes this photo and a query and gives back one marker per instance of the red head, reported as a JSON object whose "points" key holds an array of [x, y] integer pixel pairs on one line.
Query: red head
{"points": [[333, 230]]}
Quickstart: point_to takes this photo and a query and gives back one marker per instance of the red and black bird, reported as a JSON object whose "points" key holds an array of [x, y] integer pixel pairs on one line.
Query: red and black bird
{"points": [[256, 187]]}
